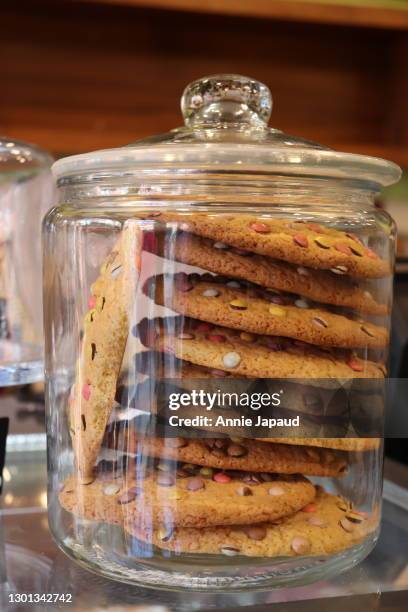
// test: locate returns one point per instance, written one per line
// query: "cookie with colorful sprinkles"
(258, 312)
(105, 332)
(187, 495)
(237, 264)
(227, 454)
(298, 242)
(328, 525)
(251, 355)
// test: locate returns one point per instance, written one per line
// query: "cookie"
(344, 444)
(245, 310)
(105, 333)
(250, 355)
(186, 497)
(295, 241)
(326, 526)
(236, 454)
(316, 285)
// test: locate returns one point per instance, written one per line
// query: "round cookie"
(245, 310)
(316, 285)
(344, 444)
(298, 242)
(326, 526)
(184, 497)
(226, 454)
(250, 355)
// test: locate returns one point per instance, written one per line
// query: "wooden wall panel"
(78, 77)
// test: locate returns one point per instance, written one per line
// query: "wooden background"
(77, 76)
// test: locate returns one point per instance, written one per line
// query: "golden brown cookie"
(106, 327)
(316, 285)
(187, 496)
(326, 526)
(243, 309)
(250, 355)
(242, 454)
(344, 444)
(305, 244)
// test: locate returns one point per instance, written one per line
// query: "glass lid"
(225, 131)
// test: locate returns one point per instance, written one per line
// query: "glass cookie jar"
(217, 306)
(26, 193)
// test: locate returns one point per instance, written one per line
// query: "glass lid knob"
(226, 99)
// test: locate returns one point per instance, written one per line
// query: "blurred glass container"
(26, 193)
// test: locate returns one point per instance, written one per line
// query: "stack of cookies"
(273, 299)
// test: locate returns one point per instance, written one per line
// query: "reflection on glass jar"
(217, 304)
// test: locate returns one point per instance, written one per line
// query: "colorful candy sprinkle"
(357, 250)
(111, 489)
(300, 545)
(346, 525)
(276, 299)
(276, 311)
(301, 240)
(255, 532)
(211, 293)
(301, 303)
(229, 551)
(222, 477)
(320, 322)
(316, 521)
(276, 491)
(323, 242)
(92, 302)
(231, 360)
(183, 284)
(115, 272)
(238, 305)
(195, 484)
(204, 327)
(339, 270)
(355, 364)
(343, 248)
(86, 391)
(216, 338)
(309, 508)
(260, 228)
